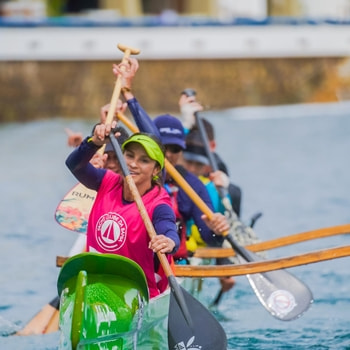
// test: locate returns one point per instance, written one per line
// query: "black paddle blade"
(177, 293)
(206, 333)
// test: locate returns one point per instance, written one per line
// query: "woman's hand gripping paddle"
(74, 209)
(189, 322)
(281, 293)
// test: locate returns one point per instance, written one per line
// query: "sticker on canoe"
(281, 302)
(74, 209)
(188, 346)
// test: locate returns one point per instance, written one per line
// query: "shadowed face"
(173, 153)
(112, 162)
(195, 167)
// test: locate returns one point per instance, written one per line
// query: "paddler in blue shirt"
(188, 107)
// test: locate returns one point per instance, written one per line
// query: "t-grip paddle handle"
(117, 86)
(118, 83)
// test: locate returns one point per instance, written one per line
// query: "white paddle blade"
(281, 293)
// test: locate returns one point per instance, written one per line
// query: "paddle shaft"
(253, 267)
(223, 193)
(208, 253)
(214, 165)
(139, 203)
(175, 288)
(264, 266)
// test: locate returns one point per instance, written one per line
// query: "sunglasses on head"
(173, 148)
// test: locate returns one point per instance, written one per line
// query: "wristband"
(125, 89)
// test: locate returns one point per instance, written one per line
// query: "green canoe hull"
(105, 305)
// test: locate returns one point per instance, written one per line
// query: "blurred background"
(56, 55)
(274, 77)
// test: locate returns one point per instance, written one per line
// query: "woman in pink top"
(115, 225)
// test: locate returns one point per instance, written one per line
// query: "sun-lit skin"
(142, 168)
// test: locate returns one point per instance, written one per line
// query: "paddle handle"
(205, 140)
(117, 87)
(118, 83)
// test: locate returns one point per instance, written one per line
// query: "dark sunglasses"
(173, 148)
(189, 92)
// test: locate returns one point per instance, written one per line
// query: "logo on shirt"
(111, 232)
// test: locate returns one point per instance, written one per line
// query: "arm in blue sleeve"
(78, 162)
(142, 119)
(189, 210)
(164, 224)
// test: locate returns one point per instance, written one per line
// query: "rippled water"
(291, 163)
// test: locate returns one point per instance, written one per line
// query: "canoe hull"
(105, 305)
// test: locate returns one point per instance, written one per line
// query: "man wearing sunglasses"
(172, 135)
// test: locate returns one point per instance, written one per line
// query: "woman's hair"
(158, 179)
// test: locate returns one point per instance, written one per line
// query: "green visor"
(151, 147)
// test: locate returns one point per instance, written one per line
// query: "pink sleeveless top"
(117, 228)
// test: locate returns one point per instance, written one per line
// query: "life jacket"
(213, 194)
(117, 228)
(194, 239)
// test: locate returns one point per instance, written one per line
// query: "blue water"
(292, 163)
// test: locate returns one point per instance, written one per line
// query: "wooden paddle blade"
(207, 332)
(74, 209)
(40, 322)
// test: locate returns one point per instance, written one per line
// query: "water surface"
(291, 163)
